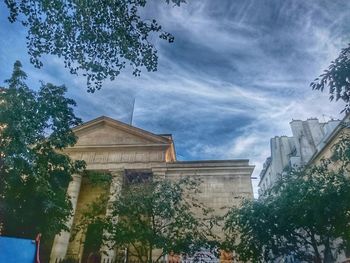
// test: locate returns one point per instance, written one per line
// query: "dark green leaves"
(97, 38)
(306, 214)
(160, 215)
(337, 79)
(34, 173)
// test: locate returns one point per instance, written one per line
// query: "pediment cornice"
(148, 137)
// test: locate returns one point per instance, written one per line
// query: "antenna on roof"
(132, 110)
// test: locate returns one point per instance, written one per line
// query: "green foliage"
(337, 79)
(98, 38)
(92, 221)
(91, 226)
(341, 151)
(157, 214)
(98, 178)
(34, 173)
(306, 214)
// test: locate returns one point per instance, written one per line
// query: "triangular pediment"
(105, 131)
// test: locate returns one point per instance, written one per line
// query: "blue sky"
(236, 75)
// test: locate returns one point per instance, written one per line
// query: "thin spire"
(132, 111)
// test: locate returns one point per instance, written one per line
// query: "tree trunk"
(150, 254)
(317, 258)
(327, 254)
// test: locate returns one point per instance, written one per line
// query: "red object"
(37, 241)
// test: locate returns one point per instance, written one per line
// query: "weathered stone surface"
(310, 138)
(109, 145)
(61, 241)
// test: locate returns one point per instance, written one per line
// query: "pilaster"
(61, 241)
(115, 189)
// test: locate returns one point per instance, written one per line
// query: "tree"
(98, 38)
(34, 173)
(157, 215)
(305, 215)
(337, 79)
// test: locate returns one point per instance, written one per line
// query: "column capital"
(159, 172)
(116, 172)
(77, 176)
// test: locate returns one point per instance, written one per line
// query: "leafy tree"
(92, 222)
(34, 173)
(98, 38)
(157, 215)
(341, 150)
(337, 79)
(305, 215)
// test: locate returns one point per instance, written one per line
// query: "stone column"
(159, 173)
(115, 188)
(61, 241)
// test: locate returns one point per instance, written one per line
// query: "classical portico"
(111, 146)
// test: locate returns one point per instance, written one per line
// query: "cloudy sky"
(238, 73)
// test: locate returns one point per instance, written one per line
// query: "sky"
(238, 72)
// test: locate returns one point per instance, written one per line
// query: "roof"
(343, 124)
(266, 165)
(126, 127)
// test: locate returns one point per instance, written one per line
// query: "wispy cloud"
(237, 74)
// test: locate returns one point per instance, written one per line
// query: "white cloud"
(237, 74)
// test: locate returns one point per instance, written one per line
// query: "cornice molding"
(123, 127)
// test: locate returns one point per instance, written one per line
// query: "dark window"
(137, 176)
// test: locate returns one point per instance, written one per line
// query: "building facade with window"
(312, 142)
(123, 151)
(309, 138)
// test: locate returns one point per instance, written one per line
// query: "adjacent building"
(311, 142)
(309, 138)
(123, 150)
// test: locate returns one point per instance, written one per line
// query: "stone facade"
(115, 147)
(309, 138)
(312, 142)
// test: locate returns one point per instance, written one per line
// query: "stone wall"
(89, 193)
(224, 183)
(111, 146)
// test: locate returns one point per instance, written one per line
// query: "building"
(309, 138)
(121, 149)
(312, 141)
